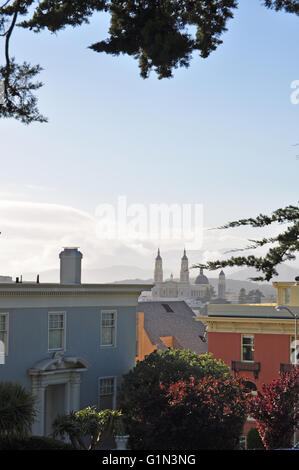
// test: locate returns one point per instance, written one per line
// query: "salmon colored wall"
(270, 350)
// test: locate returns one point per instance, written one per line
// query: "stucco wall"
(28, 344)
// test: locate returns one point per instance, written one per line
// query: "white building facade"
(198, 291)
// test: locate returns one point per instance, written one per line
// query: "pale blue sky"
(220, 133)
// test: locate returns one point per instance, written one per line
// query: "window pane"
(56, 321)
(2, 322)
(106, 394)
(107, 336)
(56, 339)
(247, 348)
(56, 330)
(3, 330)
(108, 329)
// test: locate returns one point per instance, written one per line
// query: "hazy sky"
(221, 133)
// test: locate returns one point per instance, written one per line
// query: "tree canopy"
(207, 414)
(155, 32)
(141, 398)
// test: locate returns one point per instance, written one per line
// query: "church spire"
(158, 273)
(184, 274)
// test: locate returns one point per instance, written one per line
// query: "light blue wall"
(28, 344)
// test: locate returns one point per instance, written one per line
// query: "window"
(167, 308)
(250, 387)
(294, 348)
(285, 296)
(4, 331)
(248, 348)
(108, 329)
(107, 393)
(56, 331)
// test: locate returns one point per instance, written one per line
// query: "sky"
(221, 134)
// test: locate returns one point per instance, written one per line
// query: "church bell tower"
(158, 274)
(184, 274)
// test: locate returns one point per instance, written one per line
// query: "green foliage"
(57, 14)
(254, 440)
(140, 392)
(33, 443)
(284, 245)
(86, 427)
(16, 410)
(254, 296)
(242, 296)
(290, 6)
(155, 32)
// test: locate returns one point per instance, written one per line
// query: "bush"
(140, 394)
(33, 443)
(16, 409)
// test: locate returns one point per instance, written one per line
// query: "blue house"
(68, 343)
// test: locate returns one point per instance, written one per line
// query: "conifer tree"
(155, 32)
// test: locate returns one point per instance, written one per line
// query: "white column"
(75, 384)
(38, 390)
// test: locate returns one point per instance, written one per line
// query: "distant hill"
(135, 275)
(285, 273)
(102, 275)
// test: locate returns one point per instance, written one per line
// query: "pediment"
(59, 362)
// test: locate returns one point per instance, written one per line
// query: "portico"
(56, 385)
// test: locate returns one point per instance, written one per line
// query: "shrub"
(16, 409)
(141, 397)
(33, 443)
(276, 410)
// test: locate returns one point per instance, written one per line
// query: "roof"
(27, 288)
(175, 319)
(249, 311)
(201, 278)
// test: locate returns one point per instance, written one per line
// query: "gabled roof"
(177, 319)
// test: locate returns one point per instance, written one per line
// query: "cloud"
(33, 234)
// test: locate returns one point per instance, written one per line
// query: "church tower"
(221, 285)
(158, 274)
(184, 274)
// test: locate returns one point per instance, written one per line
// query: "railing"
(286, 368)
(254, 367)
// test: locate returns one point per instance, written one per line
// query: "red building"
(255, 341)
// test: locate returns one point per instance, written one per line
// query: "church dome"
(201, 278)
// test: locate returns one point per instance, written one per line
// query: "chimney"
(70, 266)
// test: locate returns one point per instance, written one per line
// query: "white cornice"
(245, 325)
(73, 290)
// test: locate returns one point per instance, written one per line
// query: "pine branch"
(285, 249)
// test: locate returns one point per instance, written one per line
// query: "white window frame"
(114, 344)
(63, 348)
(293, 351)
(6, 315)
(114, 390)
(285, 296)
(246, 336)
